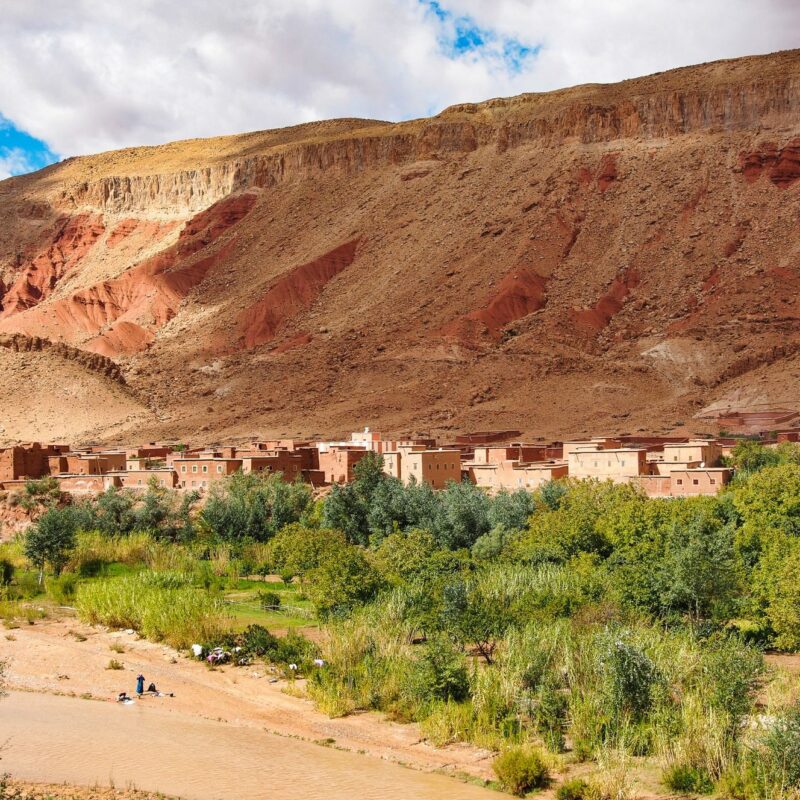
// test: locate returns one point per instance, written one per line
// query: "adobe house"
(199, 473)
(337, 462)
(287, 463)
(705, 480)
(151, 451)
(487, 437)
(618, 464)
(139, 479)
(527, 453)
(88, 484)
(512, 475)
(29, 461)
(86, 463)
(595, 443)
(705, 451)
(656, 485)
(434, 467)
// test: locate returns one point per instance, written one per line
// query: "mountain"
(606, 258)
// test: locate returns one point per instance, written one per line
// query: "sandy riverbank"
(65, 657)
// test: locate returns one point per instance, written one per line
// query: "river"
(56, 739)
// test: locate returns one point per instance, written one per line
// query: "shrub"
(440, 673)
(114, 664)
(577, 789)
(256, 640)
(782, 749)
(687, 779)
(269, 601)
(6, 571)
(520, 769)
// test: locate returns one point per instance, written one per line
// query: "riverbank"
(78, 742)
(66, 657)
(21, 790)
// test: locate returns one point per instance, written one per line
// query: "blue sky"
(118, 74)
(20, 152)
(460, 35)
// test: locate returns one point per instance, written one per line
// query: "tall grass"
(162, 606)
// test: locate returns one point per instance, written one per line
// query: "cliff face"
(603, 257)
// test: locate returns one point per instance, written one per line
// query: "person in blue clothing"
(140, 685)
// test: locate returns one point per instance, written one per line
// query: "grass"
(161, 606)
(114, 664)
(245, 606)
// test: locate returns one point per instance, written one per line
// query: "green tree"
(40, 495)
(296, 549)
(343, 580)
(749, 456)
(51, 540)
(463, 516)
(254, 506)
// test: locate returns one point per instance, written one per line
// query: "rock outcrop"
(603, 257)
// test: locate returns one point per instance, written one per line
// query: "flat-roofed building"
(703, 451)
(284, 462)
(337, 463)
(434, 467)
(704, 480)
(139, 479)
(615, 464)
(513, 475)
(199, 473)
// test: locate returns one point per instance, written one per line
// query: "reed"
(161, 606)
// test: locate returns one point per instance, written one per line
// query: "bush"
(520, 769)
(114, 664)
(577, 789)
(782, 749)
(6, 571)
(269, 601)
(687, 779)
(440, 673)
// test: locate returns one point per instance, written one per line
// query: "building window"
(695, 481)
(219, 467)
(194, 467)
(205, 467)
(183, 467)
(680, 482)
(713, 481)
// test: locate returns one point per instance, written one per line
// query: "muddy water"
(63, 739)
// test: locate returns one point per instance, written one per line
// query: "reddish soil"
(293, 293)
(617, 258)
(782, 165)
(72, 240)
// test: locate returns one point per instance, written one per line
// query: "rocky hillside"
(603, 258)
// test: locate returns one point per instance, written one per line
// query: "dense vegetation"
(583, 618)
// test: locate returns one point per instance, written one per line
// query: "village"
(492, 460)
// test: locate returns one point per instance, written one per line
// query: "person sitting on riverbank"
(122, 697)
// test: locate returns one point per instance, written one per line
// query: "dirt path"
(68, 658)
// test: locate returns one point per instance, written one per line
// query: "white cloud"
(13, 161)
(111, 73)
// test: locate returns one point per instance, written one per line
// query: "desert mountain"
(606, 258)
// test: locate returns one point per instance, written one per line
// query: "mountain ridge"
(619, 255)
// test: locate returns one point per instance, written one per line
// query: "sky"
(83, 76)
